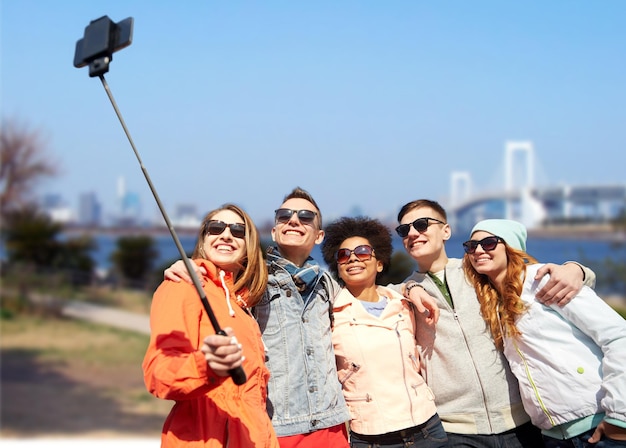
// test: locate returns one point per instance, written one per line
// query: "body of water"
(588, 251)
(545, 250)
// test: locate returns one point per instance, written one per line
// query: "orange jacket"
(210, 411)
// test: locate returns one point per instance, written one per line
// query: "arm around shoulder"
(565, 282)
(589, 277)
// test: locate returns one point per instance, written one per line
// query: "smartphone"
(102, 38)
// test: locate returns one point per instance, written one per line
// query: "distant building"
(57, 209)
(186, 216)
(129, 203)
(130, 210)
(89, 210)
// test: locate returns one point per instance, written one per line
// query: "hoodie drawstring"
(231, 311)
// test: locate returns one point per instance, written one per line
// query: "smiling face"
(490, 263)
(355, 273)
(224, 250)
(426, 248)
(296, 240)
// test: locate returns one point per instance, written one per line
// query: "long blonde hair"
(253, 273)
(500, 309)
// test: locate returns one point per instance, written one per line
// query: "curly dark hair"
(372, 230)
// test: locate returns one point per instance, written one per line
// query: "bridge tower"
(460, 187)
(460, 190)
(511, 180)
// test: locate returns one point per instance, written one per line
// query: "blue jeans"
(427, 435)
(580, 441)
(524, 436)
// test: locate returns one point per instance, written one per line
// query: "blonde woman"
(188, 363)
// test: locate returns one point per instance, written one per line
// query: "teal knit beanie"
(512, 232)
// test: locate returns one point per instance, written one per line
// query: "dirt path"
(61, 379)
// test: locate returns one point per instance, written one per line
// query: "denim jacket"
(304, 393)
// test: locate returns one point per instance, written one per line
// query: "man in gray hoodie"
(476, 394)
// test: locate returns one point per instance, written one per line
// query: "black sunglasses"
(283, 215)
(362, 252)
(420, 224)
(488, 244)
(214, 227)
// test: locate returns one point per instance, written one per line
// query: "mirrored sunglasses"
(283, 215)
(363, 253)
(420, 224)
(215, 227)
(488, 244)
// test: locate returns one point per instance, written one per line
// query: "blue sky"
(366, 104)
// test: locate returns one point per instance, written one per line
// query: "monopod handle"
(237, 374)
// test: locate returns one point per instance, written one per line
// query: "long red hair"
(500, 309)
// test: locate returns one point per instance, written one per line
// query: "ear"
(379, 266)
(320, 237)
(274, 234)
(447, 232)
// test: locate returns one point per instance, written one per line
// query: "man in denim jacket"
(305, 401)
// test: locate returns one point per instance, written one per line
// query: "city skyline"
(367, 105)
(128, 210)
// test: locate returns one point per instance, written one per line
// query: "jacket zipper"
(456, 319)
(532, 383)
(353, 369)
(367, 397)
(406, 386)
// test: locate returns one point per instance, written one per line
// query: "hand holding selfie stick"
(102, 38)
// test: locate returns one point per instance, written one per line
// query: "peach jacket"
(378, 365)
(209, 411)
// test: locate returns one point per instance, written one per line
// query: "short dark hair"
(372, 230)
(299, 193)
(422, 203)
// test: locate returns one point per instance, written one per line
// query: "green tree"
(401, 266)
(32, 239)
(614, 272)
(133, 259)
(77, 260)
(611, 272)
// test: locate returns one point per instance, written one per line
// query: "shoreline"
(597, 232)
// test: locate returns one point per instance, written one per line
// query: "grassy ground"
(62, 377)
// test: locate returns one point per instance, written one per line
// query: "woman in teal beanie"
(571, 361)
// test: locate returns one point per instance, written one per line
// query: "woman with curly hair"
(374, 341)
(570, 361)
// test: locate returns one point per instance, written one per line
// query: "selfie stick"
(109, 32)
